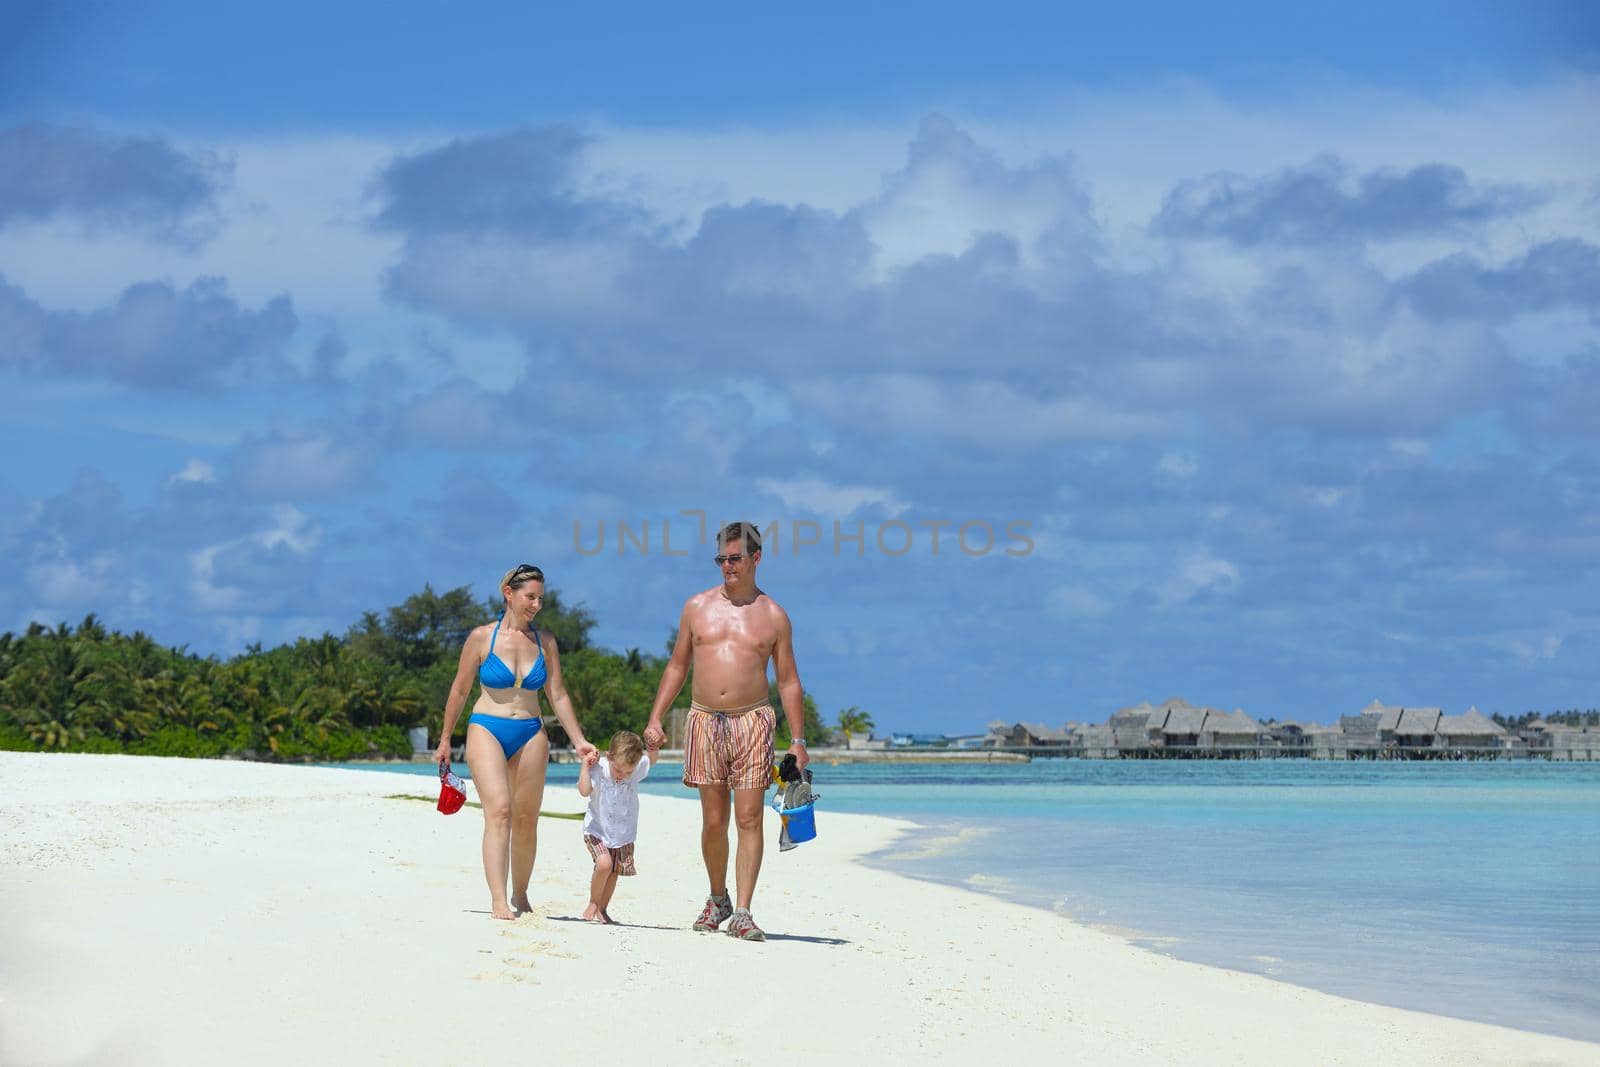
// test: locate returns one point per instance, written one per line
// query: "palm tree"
(45, 693)
(853, 720)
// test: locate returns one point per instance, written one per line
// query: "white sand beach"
(190, 912)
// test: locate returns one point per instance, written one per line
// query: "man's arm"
(790, 691)
(672, 677)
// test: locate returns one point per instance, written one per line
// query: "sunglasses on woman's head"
(527, 570)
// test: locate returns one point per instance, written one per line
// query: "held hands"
(654, 738)
(586, 752)
(591, 757)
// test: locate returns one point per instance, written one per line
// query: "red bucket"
(452, 791)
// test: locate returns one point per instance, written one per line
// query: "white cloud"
(1180, 465)
(291, 528)
(64, 583)
(302, 461)
(1075, 601)
(1200, 573)
(817, 497)
(991, 413)
(195, 472)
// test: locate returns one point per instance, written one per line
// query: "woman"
(507, 747)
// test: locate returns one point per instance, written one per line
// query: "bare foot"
(593, 914)
(501, 910)
(520, 903)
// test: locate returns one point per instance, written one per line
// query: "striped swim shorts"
(621, 858)
(732, 747)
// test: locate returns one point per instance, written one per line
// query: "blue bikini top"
(494, 674)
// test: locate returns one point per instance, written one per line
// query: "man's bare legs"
(747, 865)
(491, 777)
(527, 771)
(714, 809)
(745, 808)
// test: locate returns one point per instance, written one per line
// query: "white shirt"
(613, 815)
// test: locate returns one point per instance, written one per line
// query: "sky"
(1069, 359)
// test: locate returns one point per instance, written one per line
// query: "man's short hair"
(748, 532)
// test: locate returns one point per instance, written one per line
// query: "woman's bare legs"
(492, 779)
(526, 771)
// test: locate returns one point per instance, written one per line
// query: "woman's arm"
(556, 690)
(466, 671)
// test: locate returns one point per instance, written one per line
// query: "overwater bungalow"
(1130, 728)
(1095, 742)
(1175, 727)
(1231, 732)
(1026, 735)
(1404, 731)
(1325, 742)
(1358, 733)
(1565, 743)
(1472, 733)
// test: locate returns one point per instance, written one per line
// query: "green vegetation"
(853, 720)
(87, 689)
(1570, 717)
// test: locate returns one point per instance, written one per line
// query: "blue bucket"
(801, 823)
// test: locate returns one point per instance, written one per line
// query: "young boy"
(612, 821)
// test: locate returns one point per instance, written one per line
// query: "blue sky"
(1279, 338)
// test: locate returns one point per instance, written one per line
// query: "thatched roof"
(1232, 722)
(1473, 724)
(1362, 725)
(1396, 719)
(1095, 736)
(1040, 732)
(1136, 717)
(1179, 720)
(1417, 721)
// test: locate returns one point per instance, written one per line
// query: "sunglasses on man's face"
(735, 559)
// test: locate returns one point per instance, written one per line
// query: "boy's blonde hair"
(626, 747)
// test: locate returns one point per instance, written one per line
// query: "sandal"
(744, 927)
(716, 911)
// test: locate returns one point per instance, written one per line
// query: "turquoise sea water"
(1467, 889)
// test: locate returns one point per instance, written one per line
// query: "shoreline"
(935, 855)
(258, 912)
(1139, 938)
(830, 756)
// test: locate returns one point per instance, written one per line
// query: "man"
(729, 633)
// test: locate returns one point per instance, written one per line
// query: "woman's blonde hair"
(521, 574)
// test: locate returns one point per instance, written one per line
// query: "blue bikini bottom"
(511, 733)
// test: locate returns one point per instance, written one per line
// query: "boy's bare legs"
(605, 896)
(603, 876)
(491, 778)
(527, 773)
